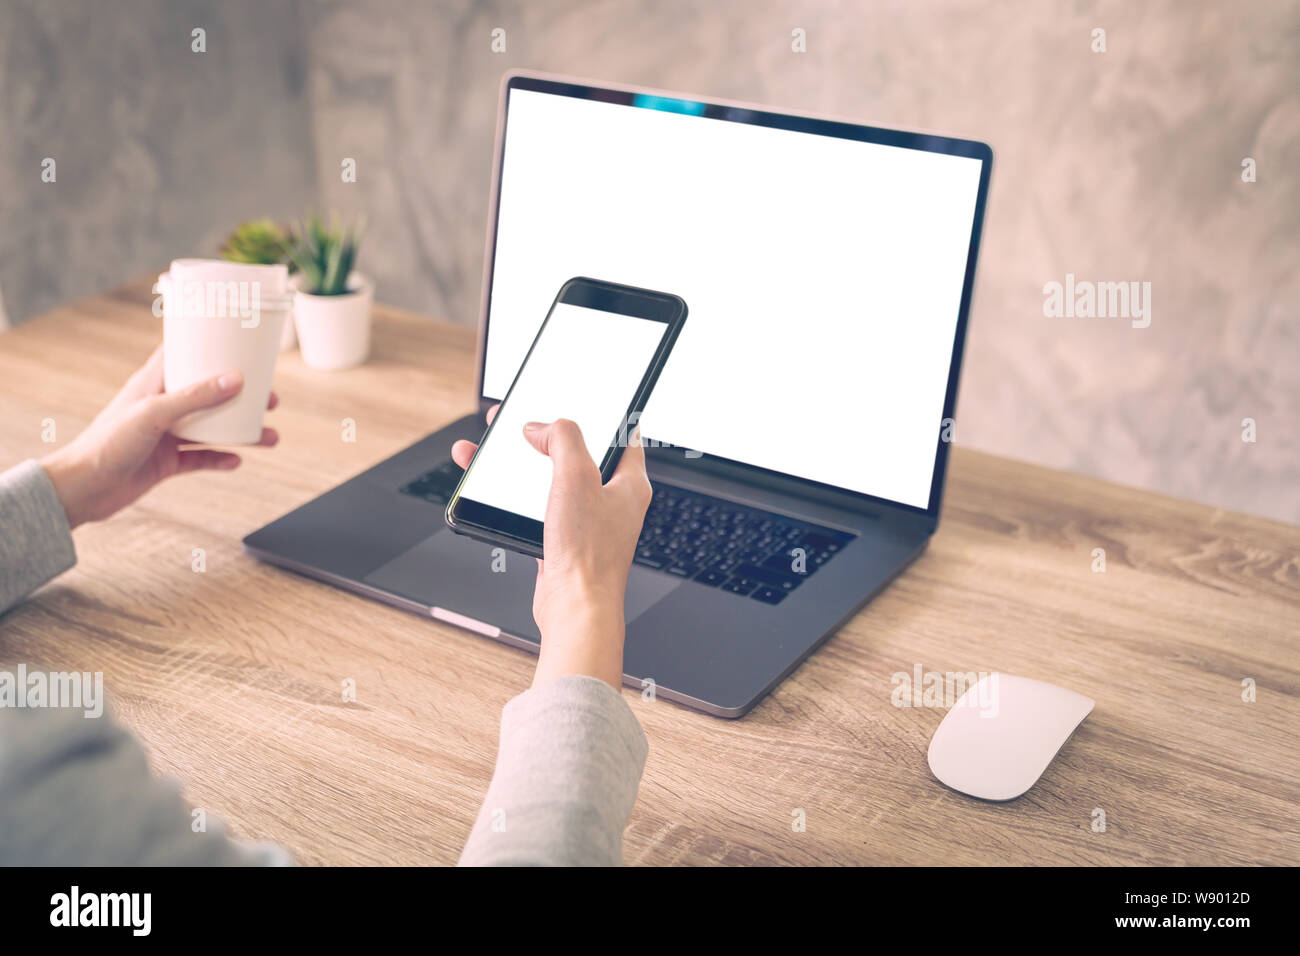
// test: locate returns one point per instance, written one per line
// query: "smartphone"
(595, 360)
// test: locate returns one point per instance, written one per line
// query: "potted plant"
(261, 242)
(331, 300)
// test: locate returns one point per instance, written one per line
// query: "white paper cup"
(200, 343)
(334, 330)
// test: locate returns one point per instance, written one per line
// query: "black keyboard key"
(786, 581)
(683, 570)
(788, 564)
(740, 586)
(711, 577)
(769, 595)
(820, 542)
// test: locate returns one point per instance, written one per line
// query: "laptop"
(800, 430)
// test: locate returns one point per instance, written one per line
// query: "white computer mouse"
(1000, 736)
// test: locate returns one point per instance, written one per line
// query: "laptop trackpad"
(459, 574)
(645, 588)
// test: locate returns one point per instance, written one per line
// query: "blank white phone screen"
(585, 366)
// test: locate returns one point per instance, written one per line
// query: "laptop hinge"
(788, 485)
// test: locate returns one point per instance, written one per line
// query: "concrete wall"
(1115, 166)
(158, 150)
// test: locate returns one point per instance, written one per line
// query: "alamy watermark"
(70, 690)
(1098, 300)
(923, 688)
(625, 429)
(76, 908)
(211, 299)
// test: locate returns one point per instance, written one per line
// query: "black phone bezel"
(520, 533)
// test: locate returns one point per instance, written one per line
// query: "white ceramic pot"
(334, 330)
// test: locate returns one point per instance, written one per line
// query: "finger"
(146, 380)
(562, 442)
(492, 412)
(270, 438)
(272, 401)
(631, 467)
(165, 409)
(462, 452)
(206, 459)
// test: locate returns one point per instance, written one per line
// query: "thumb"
(562, 442)
(167, 408)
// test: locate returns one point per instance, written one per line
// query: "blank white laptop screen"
(823, 276)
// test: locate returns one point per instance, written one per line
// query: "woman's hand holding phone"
(591, 530)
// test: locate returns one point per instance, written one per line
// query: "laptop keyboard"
(436, 486)
(741, 550)
(744, 551)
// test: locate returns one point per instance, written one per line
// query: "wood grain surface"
(233, 676)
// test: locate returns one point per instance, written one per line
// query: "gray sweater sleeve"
(568, 765)
(76, 790)
(35, 540)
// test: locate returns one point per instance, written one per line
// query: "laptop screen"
(824, 272)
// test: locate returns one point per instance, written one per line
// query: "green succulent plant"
(257, 242)
(324, 254)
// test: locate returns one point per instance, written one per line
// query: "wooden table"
(234, 676)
